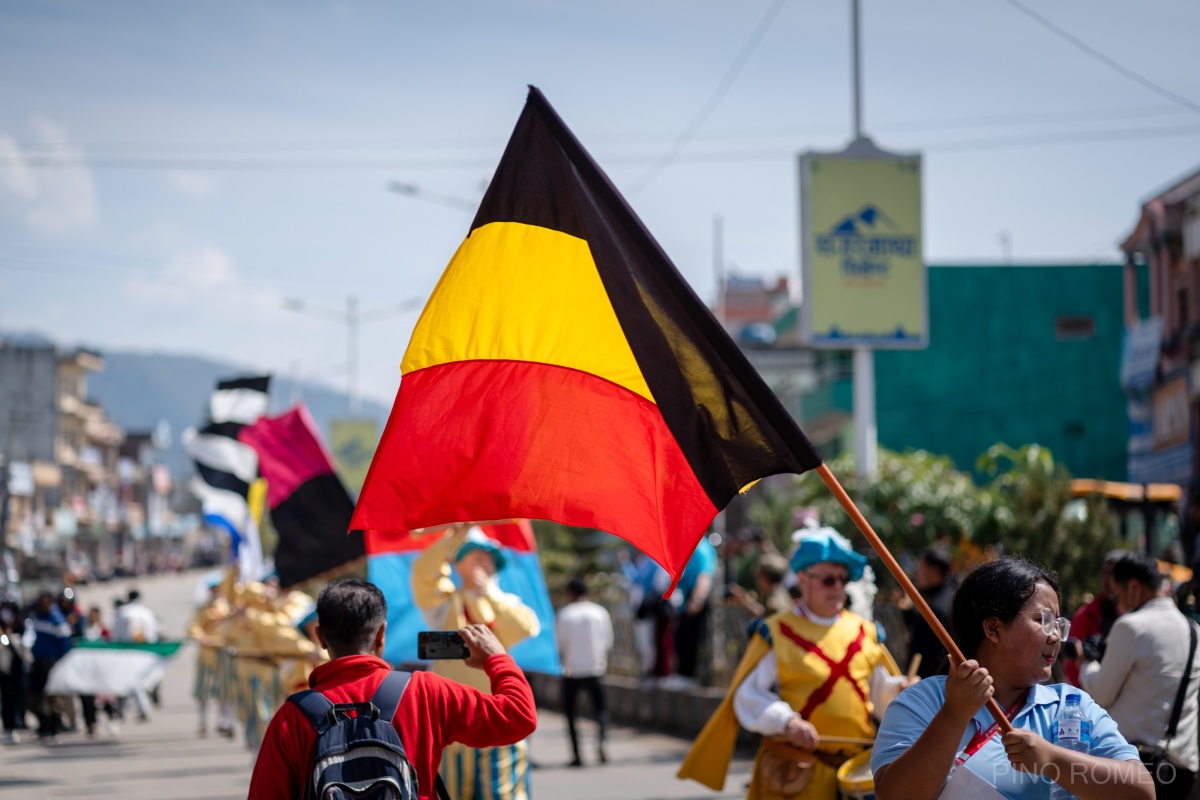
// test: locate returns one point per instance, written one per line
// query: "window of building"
(1072, 327)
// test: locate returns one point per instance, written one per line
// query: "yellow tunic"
(449, 608)
(823, 674)
(208, 620)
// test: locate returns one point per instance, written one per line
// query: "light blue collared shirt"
(909, 715)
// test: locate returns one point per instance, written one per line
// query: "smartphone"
(433, 645)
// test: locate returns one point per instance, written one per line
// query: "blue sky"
(169, 172)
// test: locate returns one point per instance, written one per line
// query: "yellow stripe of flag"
(521, 292)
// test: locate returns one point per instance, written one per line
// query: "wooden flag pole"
(894, 567)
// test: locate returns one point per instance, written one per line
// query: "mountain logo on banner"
(866, 242)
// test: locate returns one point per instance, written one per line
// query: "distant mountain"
(139, 389)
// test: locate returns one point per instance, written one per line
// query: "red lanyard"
(982, 737)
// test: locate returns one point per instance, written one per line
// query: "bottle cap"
(1073, 698)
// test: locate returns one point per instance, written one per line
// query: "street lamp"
(416, 192)
(351, 318)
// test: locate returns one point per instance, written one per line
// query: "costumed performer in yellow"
(494, 773)
(816, 670)
(207, 629)
(274, 657)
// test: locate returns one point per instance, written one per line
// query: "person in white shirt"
(1143, 666)
(136, 623)
(585, 635)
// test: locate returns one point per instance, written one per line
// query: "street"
(165, 757)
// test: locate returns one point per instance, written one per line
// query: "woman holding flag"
(1006, 622)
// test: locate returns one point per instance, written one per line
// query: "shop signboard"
(1139, 354)
(862, 255)
(1171, 414)
(353, 441)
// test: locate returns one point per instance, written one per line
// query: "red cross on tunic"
(467, 615)
(837, 669)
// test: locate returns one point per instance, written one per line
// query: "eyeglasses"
(829, 581)
(1052, 624)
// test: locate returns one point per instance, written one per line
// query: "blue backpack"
(359, 754)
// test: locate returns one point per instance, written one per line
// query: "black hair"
(134, 595)
(350, 613)
(997, 589)
(937, 558)
(1140, 567)
(577, 587)
(1113, 556)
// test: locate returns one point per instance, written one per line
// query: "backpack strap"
(1177, 709)
(387, 699)
(315, 706)
(387, 696)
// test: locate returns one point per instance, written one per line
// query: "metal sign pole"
(866, 433)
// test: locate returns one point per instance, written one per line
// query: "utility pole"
(352, 318)
(856, 68)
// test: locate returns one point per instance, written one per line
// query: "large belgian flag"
(563, 369)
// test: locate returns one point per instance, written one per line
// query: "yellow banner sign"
(862, 252)
(353, 443)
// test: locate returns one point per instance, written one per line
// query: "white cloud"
(47, 184)
(204, 267)
(196, 281)
(194, 184)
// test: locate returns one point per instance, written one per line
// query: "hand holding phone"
(432, 645)
(482, 643)
(475, 643)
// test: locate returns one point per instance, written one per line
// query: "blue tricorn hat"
(825, 545)
(478, 540)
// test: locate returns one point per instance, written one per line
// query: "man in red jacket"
(434, 711)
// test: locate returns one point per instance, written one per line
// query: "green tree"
(919, 498)
(567, 551)
(1034, 514)
(916, 499)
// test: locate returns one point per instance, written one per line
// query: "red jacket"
(433, 713)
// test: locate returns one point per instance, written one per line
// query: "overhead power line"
(713, 101)
(317, 164)
(1111, 63)
(105, 267)
(410, 147)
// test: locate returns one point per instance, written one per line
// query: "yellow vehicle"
(1148, 519)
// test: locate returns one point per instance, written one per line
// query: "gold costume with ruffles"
(823, 675)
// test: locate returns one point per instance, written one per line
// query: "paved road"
(166, 758)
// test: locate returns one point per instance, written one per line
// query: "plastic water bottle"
(1072, 731)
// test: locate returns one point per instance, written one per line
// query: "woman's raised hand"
(968, 688)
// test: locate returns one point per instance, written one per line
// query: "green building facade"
(1017, 354)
